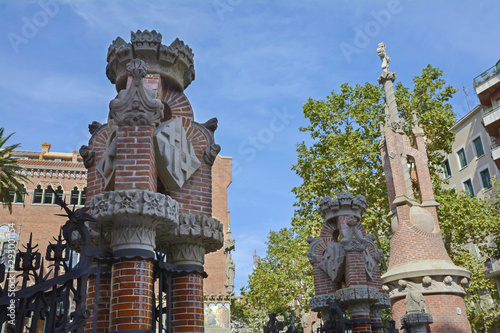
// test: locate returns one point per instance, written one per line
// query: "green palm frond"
(11, 177)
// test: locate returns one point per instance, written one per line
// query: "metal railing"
(490, 72)
(495, 145)
(487, 111)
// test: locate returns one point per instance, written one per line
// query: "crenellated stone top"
(174, 63)
(344, 204)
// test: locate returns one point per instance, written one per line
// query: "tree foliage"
(281, 281)
(343, 156)
(11, 179)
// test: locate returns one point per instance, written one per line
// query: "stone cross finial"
(383, 56)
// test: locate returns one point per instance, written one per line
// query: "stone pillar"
(357, 295)
(344, 252)
(151, 147)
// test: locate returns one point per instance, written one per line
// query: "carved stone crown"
(174, 62)
(345, 204)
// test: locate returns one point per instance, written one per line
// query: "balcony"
(491, 119)
(487, 82)
(495, 153)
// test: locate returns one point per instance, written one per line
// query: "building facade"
(470, 166)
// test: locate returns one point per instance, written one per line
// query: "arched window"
(75, 196)
(60, 193)
(38, 195)
(78, 197)
(48, 197)
(83, 196)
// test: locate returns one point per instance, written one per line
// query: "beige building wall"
(467, 131)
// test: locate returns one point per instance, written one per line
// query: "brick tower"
(149, 187)
(426, 288)
(344, 254)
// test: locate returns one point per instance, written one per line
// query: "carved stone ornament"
(397, 126)
(133, 236)
(320, 302)
(358, 293)
(426, 285)
(176, 159)
(196, 229)
(230, 272)
(88, 156)
(136, 105)
(353, 240)
(371, 261)
(107, 164)
(135, 207)
(174, 62)
(333, 261)
(344, 204)
(386, 76)
(208, 130)
(188, 254)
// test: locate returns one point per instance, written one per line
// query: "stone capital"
(344, 205)
(188, 254)
(201, 230)
(320, 302)
(358, 293)
(133, 238)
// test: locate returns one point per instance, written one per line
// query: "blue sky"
(256, 63)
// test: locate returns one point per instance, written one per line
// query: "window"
(83, 196)
(15, 198)
(462, 158)
(46, 196)
(446, 169)
(37, 195)
(468, 187)
(60, 193)
(478, 145)
(485, 178)
(78, 197)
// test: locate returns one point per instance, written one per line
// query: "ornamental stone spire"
(419, 266)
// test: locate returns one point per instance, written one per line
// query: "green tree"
(11, 179)
(281, 282)
(343, 156)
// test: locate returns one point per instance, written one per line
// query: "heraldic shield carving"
(175, 156)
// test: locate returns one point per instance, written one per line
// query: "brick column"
(187, 287)
(357, 292)
(131, 303)
(102, 314)
(187, 303)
